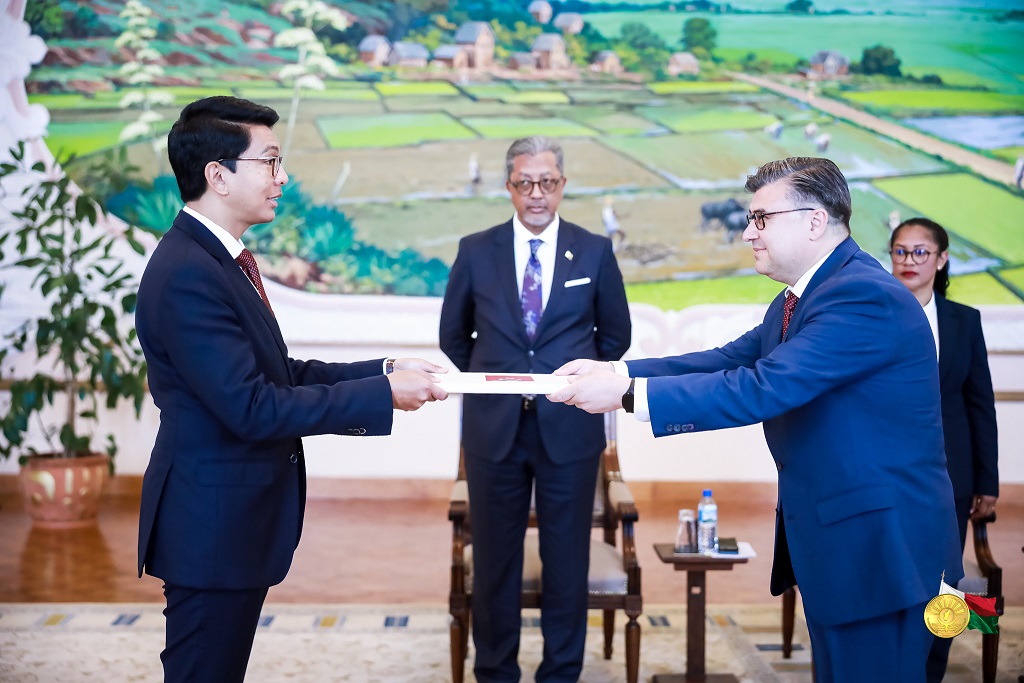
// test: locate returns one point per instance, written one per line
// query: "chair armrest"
(458, 501)
(983, 555)
(622, 501)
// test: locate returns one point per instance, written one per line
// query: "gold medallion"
(946, 615)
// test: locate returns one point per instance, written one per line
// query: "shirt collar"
(805, 279)
(233, 246)
(522, 234)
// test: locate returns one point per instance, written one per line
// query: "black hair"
(810, 179)
(941, 238)
(210, 129)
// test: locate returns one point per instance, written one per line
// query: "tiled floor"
(387, 551)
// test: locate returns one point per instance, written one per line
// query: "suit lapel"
(505, 267)
(773, 324)
(240, 283)
(563, 265)
(948, 331)
(842, 253)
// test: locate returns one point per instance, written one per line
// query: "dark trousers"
(209, 633)
(939, 654)
(888, 649)
(499, 495)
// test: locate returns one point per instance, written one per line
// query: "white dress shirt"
(641, 409)
(932, 313)
(545, 254)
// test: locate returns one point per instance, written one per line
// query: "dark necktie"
(787, 311)
(252, 271)
(531, 296)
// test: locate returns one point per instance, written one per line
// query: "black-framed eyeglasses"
(547, 185)
(918, 256)
(275, 163)
(757, 217)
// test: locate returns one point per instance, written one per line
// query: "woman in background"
(920, 261)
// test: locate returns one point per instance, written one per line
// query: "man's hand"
(418, 364)
(598, 391)
(582, 366)
(410, 389)
(983, 506)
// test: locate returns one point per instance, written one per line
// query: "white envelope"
(577, 282)
(501, 383)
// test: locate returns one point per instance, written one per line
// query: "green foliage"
(800, 6)
(325, 237)
(45, 17)
(698, 33)
(88, 291)
(640, 37)
(641, 49)
(880, 60)
(84, 22)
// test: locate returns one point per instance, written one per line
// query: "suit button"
(778, 466)
(530, 353)
(294, 458)
(687, 427)
(668, 428)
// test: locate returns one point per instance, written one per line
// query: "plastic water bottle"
(707, 524)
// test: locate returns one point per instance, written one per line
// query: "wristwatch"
(627, 398)
(389, 365)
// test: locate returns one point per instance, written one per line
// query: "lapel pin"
(568, 254)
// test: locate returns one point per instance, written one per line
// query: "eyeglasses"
(275, 163)
(547, 185)
(918, 256)
(757, 217)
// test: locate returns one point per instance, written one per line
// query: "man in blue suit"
(842, 374)
(224, 493)
(527, 296)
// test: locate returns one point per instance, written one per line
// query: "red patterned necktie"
(787, 311)
(252, 271)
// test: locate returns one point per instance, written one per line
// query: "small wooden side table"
(695, 566)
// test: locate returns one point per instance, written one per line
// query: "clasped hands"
(413, 383)
(594, 386)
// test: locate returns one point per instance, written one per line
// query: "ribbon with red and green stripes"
(983, 615)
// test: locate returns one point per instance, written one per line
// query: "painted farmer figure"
(527, 296)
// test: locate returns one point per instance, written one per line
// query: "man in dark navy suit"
(223, 496)
(842, 374)
(527, 296)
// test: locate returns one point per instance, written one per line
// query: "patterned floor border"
(41, 643)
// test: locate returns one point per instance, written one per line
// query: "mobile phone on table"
(728, 546)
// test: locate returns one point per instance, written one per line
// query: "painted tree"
(699, 34)
(312, 62)
(142, 72)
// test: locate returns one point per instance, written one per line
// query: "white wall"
(425, 443)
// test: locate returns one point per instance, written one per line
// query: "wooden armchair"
(982, 577)
(614, 578)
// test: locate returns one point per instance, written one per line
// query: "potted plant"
(84, 351)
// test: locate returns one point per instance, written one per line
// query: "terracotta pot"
(63, 493)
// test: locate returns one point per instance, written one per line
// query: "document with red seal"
(501, 383)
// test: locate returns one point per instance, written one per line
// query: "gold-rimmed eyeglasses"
(275, 163)
(918, 256)
(757, 217)
(547, 185)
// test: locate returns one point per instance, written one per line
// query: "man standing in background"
(527, 296)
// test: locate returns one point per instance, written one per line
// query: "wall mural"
(395, 117)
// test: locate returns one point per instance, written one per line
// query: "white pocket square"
(577, 282)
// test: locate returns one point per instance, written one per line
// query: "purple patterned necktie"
(787, 311)
(531, 296)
